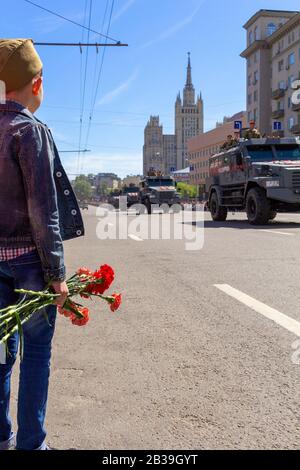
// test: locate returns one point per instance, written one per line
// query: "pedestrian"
(38, 210)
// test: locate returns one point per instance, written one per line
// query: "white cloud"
(120, 163)
(111, 95)
(123, 10)
(49, 24)
(175, 28)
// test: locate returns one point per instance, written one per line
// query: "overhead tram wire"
(97, 57)
(81, 82)
(99, 78)
(81, 44)
(84, 84)
(70, 21)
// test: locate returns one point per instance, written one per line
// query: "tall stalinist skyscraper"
(188, 118)
(168, 153)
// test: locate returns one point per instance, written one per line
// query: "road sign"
(277, 126)
(238, 125)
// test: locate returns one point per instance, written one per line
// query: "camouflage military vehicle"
(156, 189)
(260, 176)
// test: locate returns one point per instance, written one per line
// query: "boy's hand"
(60, 288)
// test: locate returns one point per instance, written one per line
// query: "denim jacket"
(37, 203)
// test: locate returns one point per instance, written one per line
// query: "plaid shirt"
(6, 254)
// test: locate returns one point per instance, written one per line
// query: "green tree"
(187, 190)
(104, 188)
(82, 188)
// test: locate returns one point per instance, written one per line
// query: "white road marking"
(135, 237)
(277, 232)
(280, 318)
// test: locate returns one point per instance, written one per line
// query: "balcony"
(277, 94)
(296, 107)
(296, 129)
(279, 113)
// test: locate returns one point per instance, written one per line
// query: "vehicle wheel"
(218, 213)
(148, 206)
(258, 207)
(140, 209)
(165, 208)
(272, 215)
(176, 208)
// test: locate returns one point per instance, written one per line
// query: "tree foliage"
(187, 190)
(82, 188)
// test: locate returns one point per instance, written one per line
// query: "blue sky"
(137, 81)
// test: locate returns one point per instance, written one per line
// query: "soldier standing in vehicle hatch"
(252, 133)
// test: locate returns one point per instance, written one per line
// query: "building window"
(282, 85)
(255, 57)
(255, 33)
(280, 105)
(255, 94)
(291, 122)
(280, 65)
(290, 80)
(250, 76)
(255, 80)
(291, 60)
(271, 28)
(289, 102)
(249, 99)
(250, 38)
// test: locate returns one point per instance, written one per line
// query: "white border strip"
(280, 318)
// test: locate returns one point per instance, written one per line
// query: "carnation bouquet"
(84, 283)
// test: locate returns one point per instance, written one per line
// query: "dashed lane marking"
(277, 232)
(135, 237)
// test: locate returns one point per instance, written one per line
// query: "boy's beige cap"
(19, 63)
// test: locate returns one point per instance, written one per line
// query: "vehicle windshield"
(132, 189)
(289, 152)
(160, 182)
(265, 153)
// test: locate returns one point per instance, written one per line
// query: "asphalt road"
(186, 363)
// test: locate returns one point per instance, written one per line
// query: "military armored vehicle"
(156, 189)
(114, 200)
(132, 194)
(260, 176)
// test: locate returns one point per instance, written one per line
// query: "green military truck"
(160, 191)
(260, 176)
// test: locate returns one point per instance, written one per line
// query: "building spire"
(189, 72)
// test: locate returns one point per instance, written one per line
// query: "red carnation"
(81, 321)
(116, 303)
(84, 271)
(63, 311)
(103, 279)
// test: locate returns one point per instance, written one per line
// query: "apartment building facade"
(273, 66)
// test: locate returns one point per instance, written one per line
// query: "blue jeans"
(26, 272)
